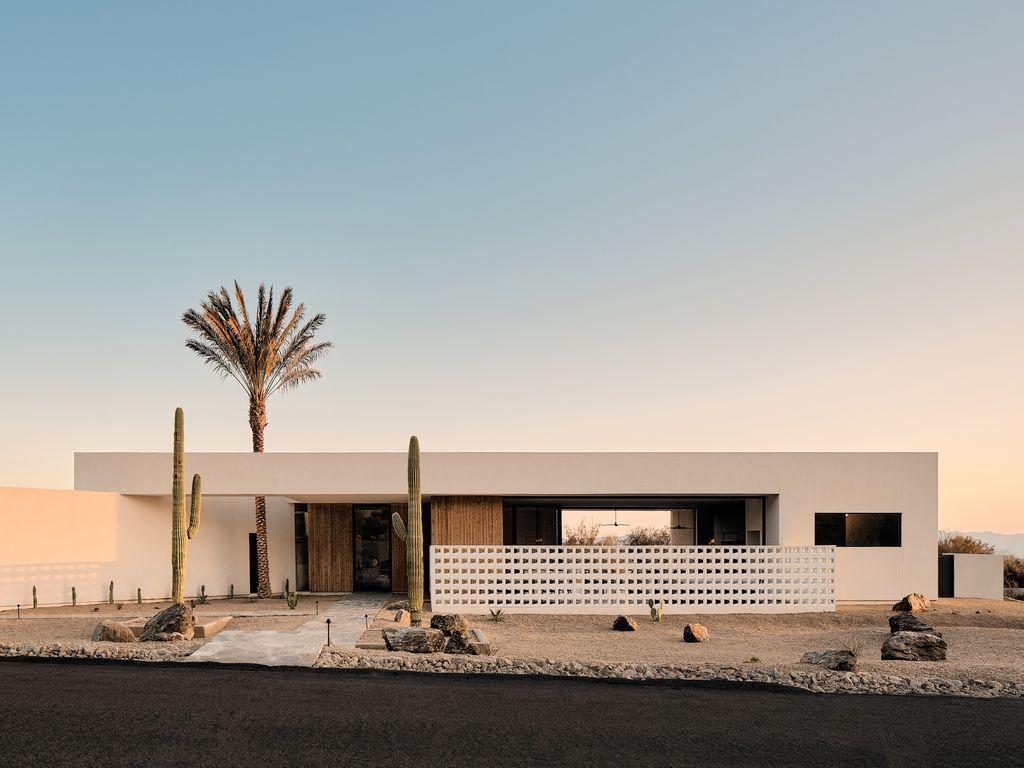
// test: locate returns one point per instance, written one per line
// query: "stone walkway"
(299, 647)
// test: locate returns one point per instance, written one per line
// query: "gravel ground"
(239, 606)
(77, 630)
(985, 641)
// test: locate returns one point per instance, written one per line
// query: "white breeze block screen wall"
(613, 580)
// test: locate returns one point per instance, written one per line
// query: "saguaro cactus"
(179, 533)
(35, 598)
(413, 535)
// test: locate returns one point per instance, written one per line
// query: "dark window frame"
(834, 529)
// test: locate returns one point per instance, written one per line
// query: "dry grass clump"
(951, 542)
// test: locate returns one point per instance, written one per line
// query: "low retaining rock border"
(817, 681)
(127, 651)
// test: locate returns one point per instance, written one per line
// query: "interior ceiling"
(626, 502)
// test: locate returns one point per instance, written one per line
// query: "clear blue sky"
(532, 226)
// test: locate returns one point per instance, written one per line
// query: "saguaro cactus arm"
(197, 504)
(399, 525)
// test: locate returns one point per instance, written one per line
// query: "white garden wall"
(54, 539)
(978, 576)
(614, 580)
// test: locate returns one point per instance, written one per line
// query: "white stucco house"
(749, 531)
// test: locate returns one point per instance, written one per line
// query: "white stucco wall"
(796, 486)
(978, 576)
(58, 539)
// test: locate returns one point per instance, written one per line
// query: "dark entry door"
(371, 547)
(254, 579)
(946, 575)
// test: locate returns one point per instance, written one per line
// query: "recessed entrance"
(371, 547)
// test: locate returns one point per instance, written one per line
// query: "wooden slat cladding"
(466, 520)
(329, 531)
(398, 580)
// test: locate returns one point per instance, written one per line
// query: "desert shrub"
(951, 542)
(855, 647)
(584, 534)
(1013, 572)
(643, 536)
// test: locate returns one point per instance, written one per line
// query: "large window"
(857, 529)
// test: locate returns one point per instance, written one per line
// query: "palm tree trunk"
(257, 421)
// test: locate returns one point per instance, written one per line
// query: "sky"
(532, 226)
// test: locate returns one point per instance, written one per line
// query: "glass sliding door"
(371, 547)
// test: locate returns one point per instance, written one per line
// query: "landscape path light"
(328, 633)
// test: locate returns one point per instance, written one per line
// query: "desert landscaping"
(983, 639)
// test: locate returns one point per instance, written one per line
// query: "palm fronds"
(273, 351)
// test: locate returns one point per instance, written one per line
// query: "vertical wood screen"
(466, 520)
(329, 531)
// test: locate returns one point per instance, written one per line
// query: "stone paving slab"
(299, 647)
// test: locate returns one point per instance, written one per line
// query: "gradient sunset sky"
(532, 226)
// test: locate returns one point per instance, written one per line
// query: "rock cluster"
(448, 633)
(414, 639)
(624, 624)
(114, 632)
(914, 646)
(913, 602)
(818, 681)
(843, 660)
(176, 622)
(696, 633)
(908, 622)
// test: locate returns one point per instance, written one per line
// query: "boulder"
(479, 645)
(449, 622)
(176, 622)
(1013, 593)
(113, 632)
(403, 617)
(397, 605)
(624, 624)
(458, 642)
(414, 639)
(696, 633)
(914, 646)
(908, 622)
(839, 659)
(913, 602)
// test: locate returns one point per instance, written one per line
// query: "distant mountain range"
(1005, 543)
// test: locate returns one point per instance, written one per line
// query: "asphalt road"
(86, 714)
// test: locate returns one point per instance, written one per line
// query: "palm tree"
(276, 353)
